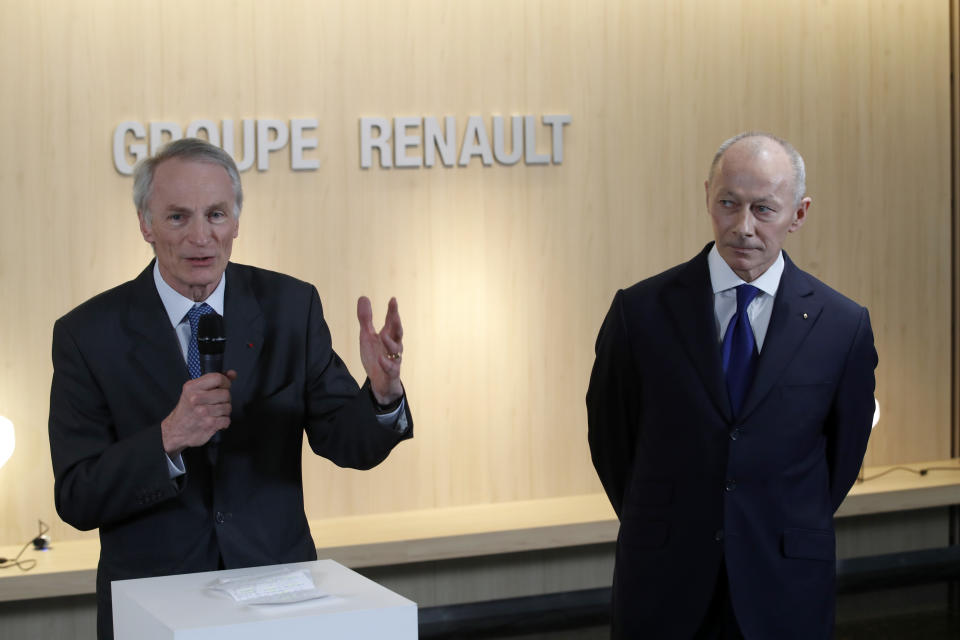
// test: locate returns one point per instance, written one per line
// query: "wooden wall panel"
(503, 273)
(955, 213)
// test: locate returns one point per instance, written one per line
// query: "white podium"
(182, 608)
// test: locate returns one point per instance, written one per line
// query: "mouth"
(204, 261)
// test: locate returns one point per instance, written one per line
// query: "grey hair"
(186, 149)
(796, 160)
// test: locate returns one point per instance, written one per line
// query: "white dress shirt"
(177, 306)
(725, 283)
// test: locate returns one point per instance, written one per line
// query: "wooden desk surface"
(69, 568)
(890, 488)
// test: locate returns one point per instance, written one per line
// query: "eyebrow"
(769, 197)
(178, 208)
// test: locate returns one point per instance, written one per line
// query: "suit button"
(731, 485)
(219, 517)
(718, 536)
(735, 434)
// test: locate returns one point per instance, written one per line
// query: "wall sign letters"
(403, 142)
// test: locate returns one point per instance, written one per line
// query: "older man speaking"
(184, 470)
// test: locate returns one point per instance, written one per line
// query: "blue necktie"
(193, 354)
(740, 349)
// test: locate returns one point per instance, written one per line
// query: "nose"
(198, 232)
(744, 224)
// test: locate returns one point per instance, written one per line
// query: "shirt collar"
(177, 305)
(723, 278)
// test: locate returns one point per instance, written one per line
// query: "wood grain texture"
(955, 213)
(503, 273)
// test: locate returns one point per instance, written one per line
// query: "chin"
(206, 272)
(733, 258)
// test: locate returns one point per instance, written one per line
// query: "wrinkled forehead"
(754, 169)
(183, 181)
(178, 168)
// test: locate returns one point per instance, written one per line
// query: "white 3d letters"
(258, 138)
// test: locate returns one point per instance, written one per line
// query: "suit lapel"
(689, 301)
(154, 345)
(795, 311)
(243, 320)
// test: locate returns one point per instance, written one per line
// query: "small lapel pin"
(250, 344)
(804, 316)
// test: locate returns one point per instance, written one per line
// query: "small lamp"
(7, 441)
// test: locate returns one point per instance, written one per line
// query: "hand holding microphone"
(204, 406)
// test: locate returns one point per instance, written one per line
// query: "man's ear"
(800, 214)
(145, 227)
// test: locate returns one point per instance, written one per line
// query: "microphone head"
(211, 338)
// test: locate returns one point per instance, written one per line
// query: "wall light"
(7, 441)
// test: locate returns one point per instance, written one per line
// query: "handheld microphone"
(211, 343)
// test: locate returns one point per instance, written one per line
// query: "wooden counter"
(384, 539)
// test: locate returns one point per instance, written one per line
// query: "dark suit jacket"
(694, 485)
(119, 370)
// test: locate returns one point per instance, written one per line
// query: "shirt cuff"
(396, 419)
(175, 466)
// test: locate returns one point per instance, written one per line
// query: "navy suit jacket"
(119, 371)
(694, 485)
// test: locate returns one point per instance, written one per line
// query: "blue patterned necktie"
(193, 354)
(740, 349)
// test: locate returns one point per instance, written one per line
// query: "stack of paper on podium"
(320, 599)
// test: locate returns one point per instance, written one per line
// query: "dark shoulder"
(692, 276)
(268, 285)
(108, 303)
(264, 278)
(654, 284)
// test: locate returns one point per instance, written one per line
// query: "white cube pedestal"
(182, 608)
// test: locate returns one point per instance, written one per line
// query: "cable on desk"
(919, 472)
(29, 563)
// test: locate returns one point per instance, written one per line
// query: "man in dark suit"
(184, 472)
(729, 410)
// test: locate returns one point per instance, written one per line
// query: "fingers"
(392, 346)
(392, 333)
(210, 381)
(365, 314)
(211, 409)
(212, 397)
(390, 366)
(203, 409)
(208, 395)
(392, 324)
(381, 353)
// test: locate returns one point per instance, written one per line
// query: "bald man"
(729, 410)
